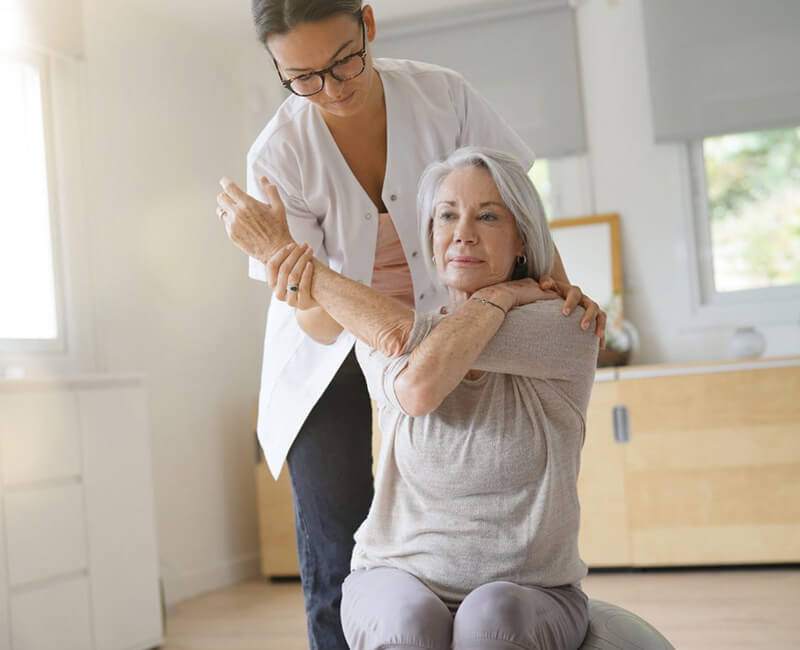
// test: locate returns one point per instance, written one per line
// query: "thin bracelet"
(488, 302)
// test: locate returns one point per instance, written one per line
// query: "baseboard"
(188, 585)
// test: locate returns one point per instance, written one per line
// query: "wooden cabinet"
(710, 471)
(682, 465)
(77, 532)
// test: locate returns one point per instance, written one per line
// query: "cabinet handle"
(622, 429)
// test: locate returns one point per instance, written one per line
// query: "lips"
(344, 100)
(465, 259)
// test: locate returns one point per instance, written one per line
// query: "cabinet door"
(604, 539)
(276, 523)
(712, 472)
(119, 494)
(53, 616)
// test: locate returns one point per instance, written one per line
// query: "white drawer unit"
(78, 553)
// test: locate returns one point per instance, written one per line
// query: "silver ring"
(293, 288)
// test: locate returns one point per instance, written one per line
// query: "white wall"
(648, 185)
(171, 294)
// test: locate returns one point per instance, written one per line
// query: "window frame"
(761, 306)
(62, 88)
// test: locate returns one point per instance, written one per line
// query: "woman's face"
(313, 46)
(475, 237)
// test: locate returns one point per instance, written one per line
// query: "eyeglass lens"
(346, 69)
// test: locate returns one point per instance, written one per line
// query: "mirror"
(590, 251)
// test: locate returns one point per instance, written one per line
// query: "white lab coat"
(430, 112)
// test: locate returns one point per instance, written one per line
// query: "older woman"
(471, 540)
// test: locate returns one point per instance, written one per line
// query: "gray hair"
(518, 194)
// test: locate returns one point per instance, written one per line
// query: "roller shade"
(521, 56)
(54, 26)
(722, 66)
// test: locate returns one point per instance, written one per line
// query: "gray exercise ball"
(614, 628)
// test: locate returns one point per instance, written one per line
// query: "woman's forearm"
(440, 362)
(381, 322)
(318, 324)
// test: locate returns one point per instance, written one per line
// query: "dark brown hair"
(280, 16)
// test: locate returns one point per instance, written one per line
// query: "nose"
(465, 231)
(333, 87)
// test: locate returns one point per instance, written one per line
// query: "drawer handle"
(622, 429)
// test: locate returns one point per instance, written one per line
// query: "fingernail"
(565, 312)
(584, 326)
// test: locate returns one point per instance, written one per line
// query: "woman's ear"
(369, 22)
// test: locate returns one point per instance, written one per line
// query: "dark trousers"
(330, 464)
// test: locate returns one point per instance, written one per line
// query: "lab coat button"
(393, 197)
(414, 254)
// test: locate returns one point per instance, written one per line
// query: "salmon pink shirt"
(390, 274)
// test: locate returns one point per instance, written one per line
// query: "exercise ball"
(614, 628)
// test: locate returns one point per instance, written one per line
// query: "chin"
(467, 285)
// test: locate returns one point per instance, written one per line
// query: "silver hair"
(519, 196)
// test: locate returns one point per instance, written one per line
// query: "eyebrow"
(330, 60)
(482, 205)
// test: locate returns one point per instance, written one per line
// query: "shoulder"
(285, 135)
(418, 74)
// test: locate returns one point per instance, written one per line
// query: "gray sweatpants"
(389, 609)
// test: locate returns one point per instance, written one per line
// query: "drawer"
(39, 436)
(45, 532)
(52, 617)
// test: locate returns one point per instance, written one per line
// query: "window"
(28, 286)
(748, 214)
(540, 175)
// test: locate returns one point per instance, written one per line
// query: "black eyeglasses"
(311, 83)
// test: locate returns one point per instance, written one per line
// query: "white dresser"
(78, 554)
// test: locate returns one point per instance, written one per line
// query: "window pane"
(540, 175)
(754, 207)
(27, 291)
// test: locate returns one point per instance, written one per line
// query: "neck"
(457, 298)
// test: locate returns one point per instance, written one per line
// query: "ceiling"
(231, 18)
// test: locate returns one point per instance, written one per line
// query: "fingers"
(274, 264)
(236, 193)
(285, 269)
(295, 275)
(227, 204)
(591, 310)
(270, 191)
(600, 329)
(546, 282)
(571, 299)
(304, 299)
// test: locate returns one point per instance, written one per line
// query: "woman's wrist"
(502, 298)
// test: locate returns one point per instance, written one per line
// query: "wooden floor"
(696, 610)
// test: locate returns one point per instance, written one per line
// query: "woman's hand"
(259, 229)
(289, 273)
(573, 296)
(516, 292)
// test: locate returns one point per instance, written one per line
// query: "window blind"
(521, 56)
(722, 66)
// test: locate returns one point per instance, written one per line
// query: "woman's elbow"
(392, 341)
(416, 398)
